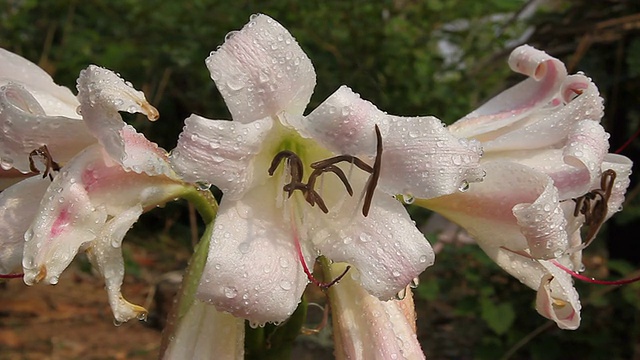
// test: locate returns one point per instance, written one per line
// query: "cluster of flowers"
(522, 174)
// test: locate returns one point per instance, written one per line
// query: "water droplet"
(230, 292)
(401, 294)
(116, 322)
(464, 186)
(415, 282)
(408, 199)
(54, 280)
(244, 247)
(284, 263)
(395, 273)
(202, 185)
(285, 285)
(423, 259)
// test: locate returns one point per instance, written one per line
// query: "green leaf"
(499, 317)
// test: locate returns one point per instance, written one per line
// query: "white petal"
(144, 156)
(205, 333)
(55, 100)
(543, 224)
(386, 248)
(105, 254)
(18, 207)
(420, 157)
(221, 153)
(25, 127)
(262, 71)
(368, 328)
(102, 94)
(344, 123)
(252, 269)
(546, 76)
(622, 166)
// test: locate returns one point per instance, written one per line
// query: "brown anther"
(375, 174)
(50, 165)
(594, 206)
(340, 158)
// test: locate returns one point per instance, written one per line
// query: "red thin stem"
(316, 282)
(624, 146)
(592, 280)
(11, 276)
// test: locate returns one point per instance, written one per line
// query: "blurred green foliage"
(391, 52)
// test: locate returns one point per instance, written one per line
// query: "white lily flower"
(548, 174)
(34, 112)
(110, 174)
(269, 229)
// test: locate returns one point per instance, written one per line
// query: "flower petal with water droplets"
(227, 148)
(18, 207)
(261, 71)
(252, 270)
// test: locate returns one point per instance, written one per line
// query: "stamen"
(11, 276)
(375, 174)
(331, 168)
(592, 280)
(340, 158)
(594, 206)
(45, 155)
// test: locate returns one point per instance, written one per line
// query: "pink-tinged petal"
(386, 248)
(102, 94)
(557, 299)
(261, 71)
(67, 220)
(87, 192)
(550, 125)
(54, 99)
(205, 333)
(546, 75)
(105, 254)
(420, 156)
(543, 224)
(25, 127)
(252, 269)
(221, 153)
(18, 207)
(368, 328)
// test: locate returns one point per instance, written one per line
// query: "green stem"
(203, 201)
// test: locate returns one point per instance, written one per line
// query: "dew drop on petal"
(230, 292)
(415, 281)
(408, 199)
(464, 186)
(423, 259)
(285, 285)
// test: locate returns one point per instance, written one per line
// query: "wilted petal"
(546, 75)
(252, 269)
(228, 150)
(105, 254)
(261, 71)
(386, 248)
(368, 328)
(102, 94)
(26, 127)
(18, 207)
(54, 99)
(205, 333)
(420, 157)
